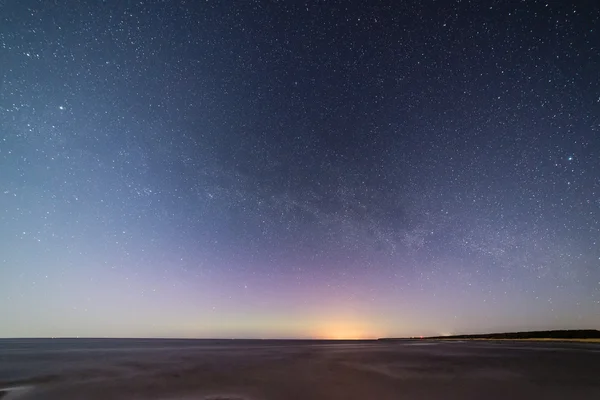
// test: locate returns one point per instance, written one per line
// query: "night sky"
(328, 169)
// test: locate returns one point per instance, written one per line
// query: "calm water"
(46, 359)
(100, 369)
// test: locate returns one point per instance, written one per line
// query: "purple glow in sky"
(277, 169)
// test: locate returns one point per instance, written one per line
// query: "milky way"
(286, 169)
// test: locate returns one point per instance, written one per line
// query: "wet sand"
(281, 370)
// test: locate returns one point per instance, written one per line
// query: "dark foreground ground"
(286, 370)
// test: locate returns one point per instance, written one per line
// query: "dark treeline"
(559, 334)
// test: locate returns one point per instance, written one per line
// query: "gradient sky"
(287, 169)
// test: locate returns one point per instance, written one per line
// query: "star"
(344, 162)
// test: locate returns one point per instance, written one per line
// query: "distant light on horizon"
(200, 171)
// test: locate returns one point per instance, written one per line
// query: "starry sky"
(283, 169)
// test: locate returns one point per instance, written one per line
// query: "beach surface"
(288, 370)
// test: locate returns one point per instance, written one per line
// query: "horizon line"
(291, 338)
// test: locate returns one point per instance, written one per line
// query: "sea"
(32, 365)
(208, 369)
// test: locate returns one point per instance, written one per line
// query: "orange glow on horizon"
(344, 330)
